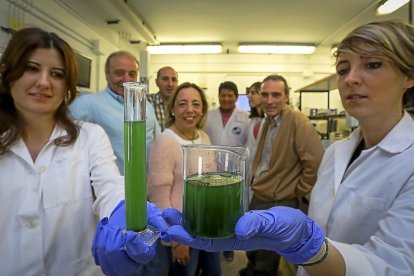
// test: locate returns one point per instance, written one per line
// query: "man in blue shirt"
(106, 108)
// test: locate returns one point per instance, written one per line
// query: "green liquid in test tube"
(135, 175)
(135, 97)
(135, 156)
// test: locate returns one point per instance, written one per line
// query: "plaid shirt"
(159, 107)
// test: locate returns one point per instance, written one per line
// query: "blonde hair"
(393, 40)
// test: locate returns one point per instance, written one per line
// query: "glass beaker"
(135, 95)
(215, 192)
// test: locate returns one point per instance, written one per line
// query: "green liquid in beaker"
(213, 202)
(135, 176)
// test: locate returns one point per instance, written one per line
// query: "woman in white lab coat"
(228, 125)
(361, 215)
(57, 176)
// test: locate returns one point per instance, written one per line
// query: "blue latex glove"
(118, 251)
(285, 230)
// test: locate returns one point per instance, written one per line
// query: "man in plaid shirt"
(167, 81)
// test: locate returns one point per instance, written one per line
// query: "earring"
(172, 114)
(67, 95)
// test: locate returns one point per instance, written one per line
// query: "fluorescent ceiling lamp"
(276, 49)
(390, 6)
(185, 49)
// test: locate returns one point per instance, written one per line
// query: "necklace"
(185, 137)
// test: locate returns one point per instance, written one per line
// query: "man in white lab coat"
(227, 125)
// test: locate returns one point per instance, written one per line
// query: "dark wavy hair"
(171, 119)
(13, 65)
(253, 111)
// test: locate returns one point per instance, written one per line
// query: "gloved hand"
(118, 251)
(285, 230)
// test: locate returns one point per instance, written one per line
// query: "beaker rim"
(239, 150)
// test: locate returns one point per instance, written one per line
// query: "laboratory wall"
(209, 71)
(54, 16)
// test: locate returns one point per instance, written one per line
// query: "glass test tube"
(135, 155)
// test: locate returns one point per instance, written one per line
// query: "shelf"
(329, 122)
(324, 117)
(324, 85)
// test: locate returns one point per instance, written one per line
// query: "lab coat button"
(32, 223)
(42, 169)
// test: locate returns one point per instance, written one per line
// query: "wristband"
(319, 257)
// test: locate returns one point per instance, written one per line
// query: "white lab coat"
(235, 131)
(367, 211)
(48, 208)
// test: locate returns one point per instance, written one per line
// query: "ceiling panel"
(320, 21)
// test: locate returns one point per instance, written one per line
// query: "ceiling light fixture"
(390, 6)
(185, 49)
(276, 49)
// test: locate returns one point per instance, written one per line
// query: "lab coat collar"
(400, 137)
(58, 131)
(343, 153)
(397, 140)
(20, 148)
